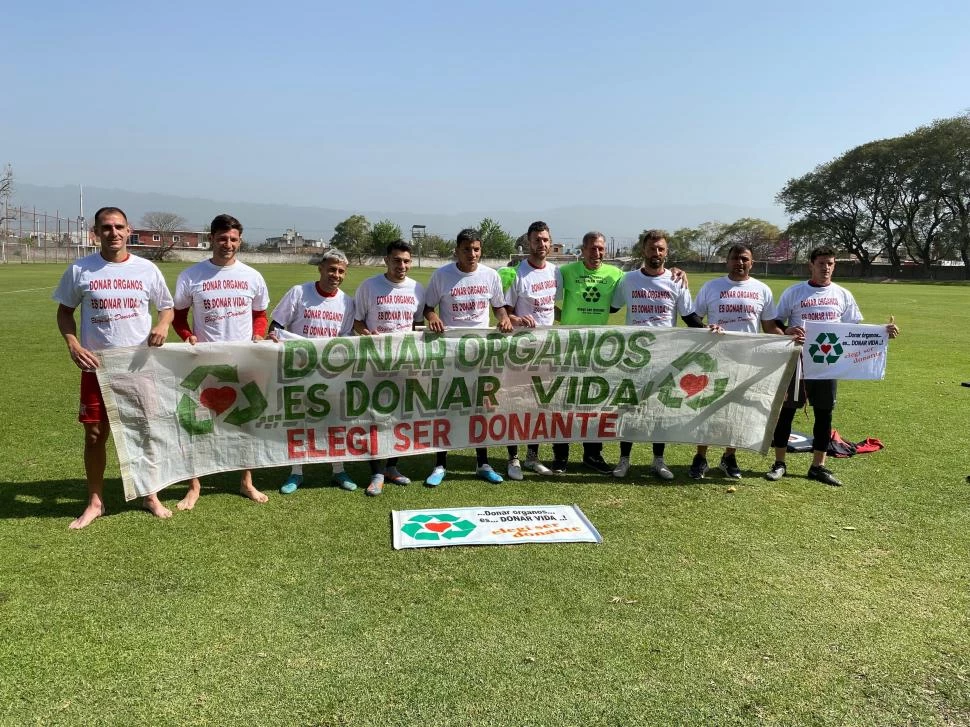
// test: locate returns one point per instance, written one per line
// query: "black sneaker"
(729, 466)
(823, 474)
(698, 467)
(558, 466)
(777, 471)
(597, 463)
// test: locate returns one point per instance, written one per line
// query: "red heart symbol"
(826, 348)
(218, 399)
(437, 527)
(691, 384)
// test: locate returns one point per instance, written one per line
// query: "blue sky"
(445, 107)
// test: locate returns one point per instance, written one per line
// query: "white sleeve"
(67, 292)
(361, 298)
(160, 294)
(498, 295)
(559, 284)
(285, 310)
(769, 312)
(619, 294)
(419, 308)
(433, 293)
(261, 297)
(183, 296)
(347, 325)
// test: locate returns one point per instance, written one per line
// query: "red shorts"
(92, 404)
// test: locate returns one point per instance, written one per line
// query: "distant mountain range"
(263, 220)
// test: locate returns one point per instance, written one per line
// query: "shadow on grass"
(66, 498)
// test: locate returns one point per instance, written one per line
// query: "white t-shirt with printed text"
(651, 300)
(533, 292)
(307, 312)
(222, 299)
(735, 305)
(114, 299)
(803, 303)
(463, 299)
(385, 306)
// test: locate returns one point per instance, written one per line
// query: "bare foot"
(248, 490)
(191, 497)
(155, 507)
(92, 512)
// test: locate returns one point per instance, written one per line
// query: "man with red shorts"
(113, 289)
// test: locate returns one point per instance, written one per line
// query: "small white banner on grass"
(844, 351)
(492, 526)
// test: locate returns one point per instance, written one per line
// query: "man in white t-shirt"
(652, 298)
(228, 301)
(737, 302)
(818, 299)
(318, 309)
(463, 292)
(113, 290)
(531, 301)
(388, 303)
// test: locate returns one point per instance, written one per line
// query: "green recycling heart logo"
(694, 382)
(219, 400)
(826, 348)
(591, 294)
(436, 527)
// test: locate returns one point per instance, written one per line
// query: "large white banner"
(844, 351)
(180, 411)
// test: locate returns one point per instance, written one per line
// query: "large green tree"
(352, 236)
(383, 233)
(496, 242)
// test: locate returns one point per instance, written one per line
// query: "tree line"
(905, 198)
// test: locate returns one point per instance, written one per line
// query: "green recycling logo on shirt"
(218, 399)
(592, 294)
(694, 382)
(436, 527)
(826, 348)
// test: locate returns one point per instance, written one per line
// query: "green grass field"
(786, 603)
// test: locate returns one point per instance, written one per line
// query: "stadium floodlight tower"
(417, 238)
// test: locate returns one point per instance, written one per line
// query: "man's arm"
(259, 324)
(83, 359)
(679, 276)
(504, 322)
(434, 322)
(159, 334)
(520, 321)
(771, 326)
(180, 323)
(361, 330)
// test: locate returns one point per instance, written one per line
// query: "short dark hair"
(537, 226)
(592, 236)
(824, 251)
(402, 245)
(224, 223)
(652, 236)
(469, 234)
(108, 211)
(738, 248)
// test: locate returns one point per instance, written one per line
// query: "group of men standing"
(228, 301)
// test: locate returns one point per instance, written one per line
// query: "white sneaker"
(622, 467)
(537, 467)
(659, 468)
(515, 469)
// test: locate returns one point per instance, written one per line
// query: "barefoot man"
(228, 301)
(113, 289)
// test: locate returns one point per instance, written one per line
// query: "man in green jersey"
(507, 275)
(584, 290)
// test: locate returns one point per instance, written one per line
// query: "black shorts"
(819, 392)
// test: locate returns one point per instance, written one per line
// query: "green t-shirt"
(586, 294)
(507, 276)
